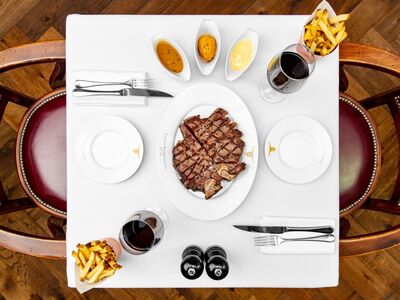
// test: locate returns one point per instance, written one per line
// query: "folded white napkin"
(298, 247)
(109, 76)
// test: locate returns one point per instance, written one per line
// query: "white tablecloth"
(97, 210)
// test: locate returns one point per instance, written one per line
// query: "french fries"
(323, 34)
(339, 18)
(96, 260)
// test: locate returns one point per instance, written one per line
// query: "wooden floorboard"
(11, 11)
(373, 22)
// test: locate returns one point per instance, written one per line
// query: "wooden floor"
(374, 22)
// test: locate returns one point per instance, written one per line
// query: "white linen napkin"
(298, 247)
(109, 76)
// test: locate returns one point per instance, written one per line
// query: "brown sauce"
(169, 57)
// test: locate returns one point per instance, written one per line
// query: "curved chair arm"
(367, 56)
(368, 243)
(43, 52)
(32, 245)
(35, 53)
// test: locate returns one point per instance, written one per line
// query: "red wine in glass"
(143, 230)
(138, 235)
(288, 78)
(287, 72)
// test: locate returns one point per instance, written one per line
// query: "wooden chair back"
(385, 61)
(45, 52)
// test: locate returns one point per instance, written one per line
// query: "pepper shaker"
(217, 266)
(192, 265)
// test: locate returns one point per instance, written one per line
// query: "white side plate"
(298, 149)
(109, 149)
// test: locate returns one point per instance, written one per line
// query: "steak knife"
(80, 92)
(282, 229)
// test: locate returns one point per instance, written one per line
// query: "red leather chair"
(360, 154)
(40, 151)
(360, 150)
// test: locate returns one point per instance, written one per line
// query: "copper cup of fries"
(97, 259)
(324, 33)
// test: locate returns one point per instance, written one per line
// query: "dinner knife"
(282, 229)
(79, 92)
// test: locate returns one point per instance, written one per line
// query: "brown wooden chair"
(40, 151)
(360, 150)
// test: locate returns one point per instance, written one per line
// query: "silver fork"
(275, 240)
(133, 83)
(79, 92)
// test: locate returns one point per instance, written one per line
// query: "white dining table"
(96, 210)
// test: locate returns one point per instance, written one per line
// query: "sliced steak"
(209, 152)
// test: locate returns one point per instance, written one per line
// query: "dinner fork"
(133, 83)
(275, 240)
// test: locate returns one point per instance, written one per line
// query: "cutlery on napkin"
(298, 247)
(108, 100)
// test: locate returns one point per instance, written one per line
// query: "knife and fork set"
(273, 239)
(131, 87)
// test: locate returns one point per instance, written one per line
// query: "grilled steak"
(209, 152)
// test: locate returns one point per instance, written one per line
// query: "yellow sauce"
(169, 57)
(241, 55)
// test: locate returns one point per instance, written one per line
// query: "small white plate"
(109, 149)
(185, 74)
(207, 26)
(253, 36)
(298, 149)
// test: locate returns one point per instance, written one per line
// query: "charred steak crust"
(209, 152)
